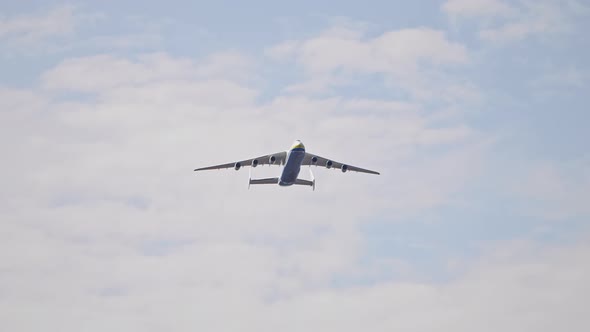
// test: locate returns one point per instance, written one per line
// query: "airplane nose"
(298, 145)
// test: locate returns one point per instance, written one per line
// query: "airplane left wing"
(270, 159)
(312, 159)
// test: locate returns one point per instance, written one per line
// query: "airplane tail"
(300, 182)
(263, 181)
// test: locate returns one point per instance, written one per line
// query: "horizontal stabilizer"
(264, 181)
(302, 182)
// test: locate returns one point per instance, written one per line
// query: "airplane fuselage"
(292, 166)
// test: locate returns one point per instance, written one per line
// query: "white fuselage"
(292, 166)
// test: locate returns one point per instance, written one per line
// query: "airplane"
(292, 160)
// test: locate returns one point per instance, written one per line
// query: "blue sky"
(475, 112)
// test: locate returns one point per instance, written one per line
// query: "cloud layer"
(105, 226)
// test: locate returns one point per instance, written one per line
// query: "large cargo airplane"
(292, 160)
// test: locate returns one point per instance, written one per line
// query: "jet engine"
(237, 166)
(272, 160)
(254, 162)
(329, 164)
(314, 160)
(344, 168)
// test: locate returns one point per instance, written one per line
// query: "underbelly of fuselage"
(292, 168)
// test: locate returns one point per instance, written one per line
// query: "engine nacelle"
(237, 166)
(272, 160)
(314, 160)
(329, 164)
(344, 168)
(254, 162)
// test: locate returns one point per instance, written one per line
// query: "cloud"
(514, 287)
(51, 31)
(476, 8)
(565, 79)
(536, 19)
(15, 100)
(71, 29)
(511, 294)
(519, 20)
(391, 52)
(556, 191)
(412, 60)
(119, 42)
(58, 21)
(104, 72)
(145, 115)
(99, 198)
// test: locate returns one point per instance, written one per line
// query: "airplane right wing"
(312, 159)
(278, 158)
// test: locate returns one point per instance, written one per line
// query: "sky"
(473, 111)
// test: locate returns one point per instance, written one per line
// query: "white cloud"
(148, 115)
(283, 50)
(165, 106)
(130, 41)
(100, 199)
(97, 73)
(152, 112)
(58, 30)
(519, 20)
(412, 60)
(556, 191)
(225, 285)
(103, 72)
(535, 19)
(391, 52)
(52, 31)
(14, 100)
(229, 65)
(476, 8)
(563, 78)
(56, 22)
(541, 293)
